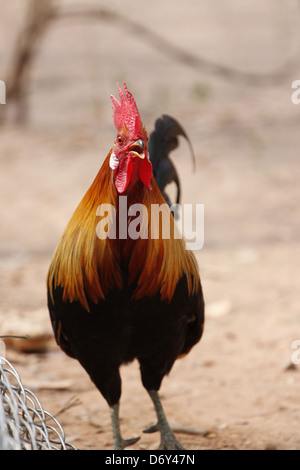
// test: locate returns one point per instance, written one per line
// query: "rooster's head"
(129, 158)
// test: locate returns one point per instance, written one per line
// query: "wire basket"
(24, 424)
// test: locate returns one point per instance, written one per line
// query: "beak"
(138, 148)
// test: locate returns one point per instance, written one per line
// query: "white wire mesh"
(24, 424)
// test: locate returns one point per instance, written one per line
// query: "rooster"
(115, 299)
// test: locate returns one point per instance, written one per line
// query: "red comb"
(126, 112)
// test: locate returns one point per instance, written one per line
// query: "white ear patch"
(113, 161)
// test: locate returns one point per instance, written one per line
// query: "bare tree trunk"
(37, 19)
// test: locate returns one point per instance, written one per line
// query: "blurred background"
(224, 70)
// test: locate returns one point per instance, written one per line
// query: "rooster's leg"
(168, 440)
(119, 442)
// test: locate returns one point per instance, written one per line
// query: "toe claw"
(122, 443)
(130, 442)
(152, 429)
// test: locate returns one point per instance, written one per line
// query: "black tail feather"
(162, 141)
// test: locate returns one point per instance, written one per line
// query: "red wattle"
(145, 173)
(128, 171)
(123, 175)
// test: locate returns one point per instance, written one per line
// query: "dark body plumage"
(118, 329)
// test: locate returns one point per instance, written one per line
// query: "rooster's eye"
(120, 140)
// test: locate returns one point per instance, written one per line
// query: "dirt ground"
(238, 388)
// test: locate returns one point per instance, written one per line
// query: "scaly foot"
(119, 442)
(168, 440)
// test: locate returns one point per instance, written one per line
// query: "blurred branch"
(15, 336)
(41, 13)
(181, 55)
(37, 17)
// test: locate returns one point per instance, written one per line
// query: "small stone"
(219, 309)
(270, 446)
(222, 426)
(289, 366)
